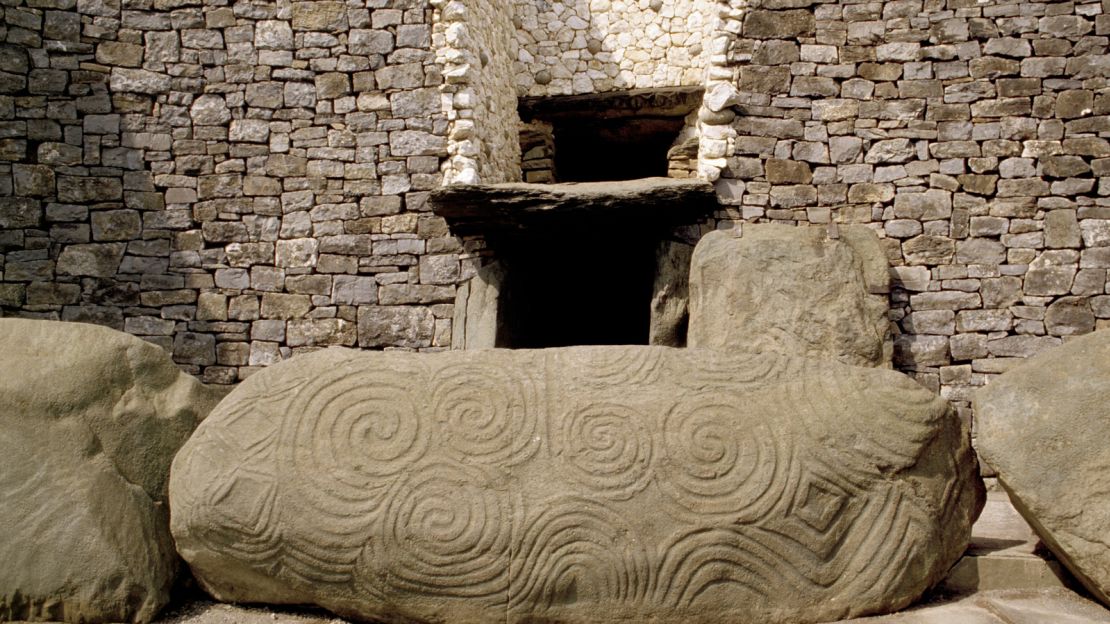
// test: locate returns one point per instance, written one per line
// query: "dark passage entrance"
(619, 135)
(595, 291)
(591, 150)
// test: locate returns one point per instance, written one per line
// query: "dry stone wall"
(239, 182)
(591, 46)
(235, 182)
(969, 134)
(474, 43)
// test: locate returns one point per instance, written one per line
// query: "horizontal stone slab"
(650, 202)
(584, 484)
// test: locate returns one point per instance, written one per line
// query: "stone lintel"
(495, 208)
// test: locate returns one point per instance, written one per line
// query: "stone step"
(1002, 606)
(1004, 553)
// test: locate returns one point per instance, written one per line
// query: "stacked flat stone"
(968, 134)
(238, 184)
(234, 183)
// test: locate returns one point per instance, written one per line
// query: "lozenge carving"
(585, 484)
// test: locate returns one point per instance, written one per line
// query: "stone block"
(125, 80)
(395, 326)
(273, 35)
(890, 151)
(116, 225)
(477, 519)
(920, 351)
(119, 54)
(320, 15)
(929, 250)
(33, 180)
(1069, 316)
(332, 85)
(81, 190)
(93, 420)
(285, 306)
(725, 289)
(299, 252)
(762, 24)
(1041, 422)
(361, 41)
(93, 260)
(321, 332)
(781, 171)
(210, 110)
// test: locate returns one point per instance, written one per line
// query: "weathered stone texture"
(183, 165)
(793, 291)
(1042, 427)
(968, 136)
(91, 420)
(644, 482)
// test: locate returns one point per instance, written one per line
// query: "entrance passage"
(591, 150)
(596, 291)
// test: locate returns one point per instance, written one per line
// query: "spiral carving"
(719, 461)
(486, 415)
(445, 532)
(348, 436)
(608, 449)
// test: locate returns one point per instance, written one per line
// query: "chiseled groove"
(880, 547)
(742, 503)
(508, 406)
(715, 551)
(473, 560)
(618, 368)
(620, 477)
(565, 527)
(824, 556)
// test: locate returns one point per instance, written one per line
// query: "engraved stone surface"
(1043, 426)
(792, 290)
(91, 419)
(584, 484)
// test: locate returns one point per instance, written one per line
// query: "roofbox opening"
(612, 136)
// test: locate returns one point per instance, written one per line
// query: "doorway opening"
(595, 292)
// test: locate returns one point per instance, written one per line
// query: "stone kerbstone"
(1042, 426)
(92, 418)
(792, 290)
(641, 483)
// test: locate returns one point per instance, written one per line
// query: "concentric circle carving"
(486, 414)
(718, 461)
(607, 448)
(446, 532)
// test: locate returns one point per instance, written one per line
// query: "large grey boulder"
(792, 290)
(577, 485)
(90, 419)
(1043, 426)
